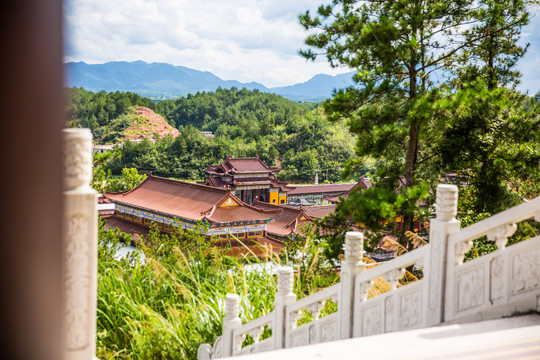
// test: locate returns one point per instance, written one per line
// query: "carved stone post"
(443, 225)
(352, 266)
(284, 297)
(230, 322)
(80, 247)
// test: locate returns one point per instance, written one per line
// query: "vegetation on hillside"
(245, 124)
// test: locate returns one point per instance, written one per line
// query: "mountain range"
(166, 81)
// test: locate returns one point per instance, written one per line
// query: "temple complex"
(250, 179)
(173, 203)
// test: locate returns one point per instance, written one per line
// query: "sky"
(244, 40)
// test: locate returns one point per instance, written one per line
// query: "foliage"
(499, 164)
(168, 302)
(103, 181)
(245, 124)
(129, 179)
(399, 48)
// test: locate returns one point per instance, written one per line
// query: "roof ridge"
(164, 179)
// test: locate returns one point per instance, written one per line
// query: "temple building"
(292, 219)
(363, 183)
(308, 195)
(250, 179)
(173, 203)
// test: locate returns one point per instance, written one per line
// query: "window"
(129, 216)
(281, 201)
(167, 226)
(137, 218)
(147, 221)
(254, 233)
(120, 214)
(222, 237)
(241, 235)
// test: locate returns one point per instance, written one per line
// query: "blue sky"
(244, 40)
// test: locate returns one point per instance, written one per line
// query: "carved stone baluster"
(284, 297)
(393, 277)
(230, 323)
(363, 290)
(80, 247)
(316, 308)
(440, 228)
(352, 266)
(256, 333)
(293, 318)
(501, 234)
(237, 343)
(460, 249)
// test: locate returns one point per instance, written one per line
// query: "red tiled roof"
(288, 221)
(240, 165)
(321, 189)
(319, 211)
(187, 200)
(364, 183)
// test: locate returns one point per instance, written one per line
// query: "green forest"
(245, 123)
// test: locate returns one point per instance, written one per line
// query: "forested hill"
(245, 123)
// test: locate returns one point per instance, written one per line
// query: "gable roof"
(240, 166)
(363, 183)
(188, 201)
(289, 220)
(321, 189)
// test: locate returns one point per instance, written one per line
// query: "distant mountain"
(165, 81)
(318, 86)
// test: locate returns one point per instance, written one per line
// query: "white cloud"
(245, 40)
(249, 40)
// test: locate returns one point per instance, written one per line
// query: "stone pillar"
(80, 247)
(352, 266)
(230, 322)
(284, 297)
(443, 225)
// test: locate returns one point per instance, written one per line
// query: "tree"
(396, 47)
(494, 57)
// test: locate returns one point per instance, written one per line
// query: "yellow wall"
(274, 197)
(282, 198)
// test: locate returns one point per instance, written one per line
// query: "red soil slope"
(146, 124)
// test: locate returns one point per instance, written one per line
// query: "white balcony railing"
(499, 284)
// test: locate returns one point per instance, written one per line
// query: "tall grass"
(167, 305)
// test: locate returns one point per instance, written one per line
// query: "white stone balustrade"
(255, 330)
(499, 284)
(80, 247)
(319, 329)
(392, 310)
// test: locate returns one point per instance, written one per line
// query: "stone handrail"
(494, 285)
(497, 227)
(381, 313)
(498, 284)
(255, 330)
(319, 329)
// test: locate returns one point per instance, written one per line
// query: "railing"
(498, 284)
(501, 283)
